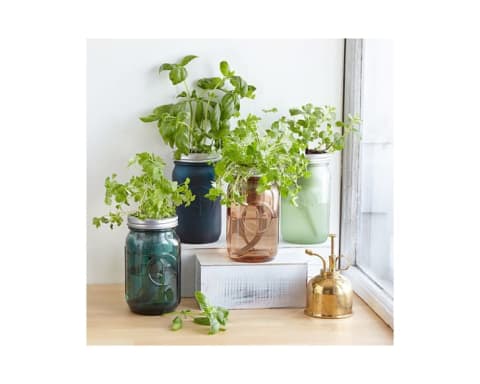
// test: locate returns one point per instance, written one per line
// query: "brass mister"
(329, 295)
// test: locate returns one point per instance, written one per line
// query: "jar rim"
(199, 157)
(319, 158)
(152, 224)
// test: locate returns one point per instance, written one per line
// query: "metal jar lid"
(152, 224)
(199, 157)
(319, 158)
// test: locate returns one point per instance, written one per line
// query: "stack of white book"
(274, 284)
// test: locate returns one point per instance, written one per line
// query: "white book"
(275, 284)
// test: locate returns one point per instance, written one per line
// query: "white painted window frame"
(363, 285)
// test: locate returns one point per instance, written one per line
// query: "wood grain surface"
(109, 322)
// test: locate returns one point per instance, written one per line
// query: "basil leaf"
(251, 92)
(169, 295)
(201, 320)
(215, 117)
(162, 109)
(199, 114)
(165, 67)
(224, 129)
(240, 85)
(224, 68)
(181, 137)
(201, 300)
(177, 75)
(227, 106)
(214, 326)
(177, 323)
(187, 59)
(210, 83)
(150, 118)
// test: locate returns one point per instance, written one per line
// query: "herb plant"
(155, 196)
(200, 120)
(272, 154)
(214, 317)
(315, 128)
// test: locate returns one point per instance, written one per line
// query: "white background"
(123, 84)
(43, 154)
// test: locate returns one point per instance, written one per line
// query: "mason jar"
(308, 223)
(152, 266)
(201, 221)
(252, 228)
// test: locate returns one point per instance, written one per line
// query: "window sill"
(372, 294)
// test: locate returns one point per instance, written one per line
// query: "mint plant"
(272, 154)
(212, 316)
(154, 195)
(200, 120)
(317, 128)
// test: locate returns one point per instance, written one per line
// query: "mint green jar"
(309, 222)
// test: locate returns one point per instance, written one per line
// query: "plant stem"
(192, 121)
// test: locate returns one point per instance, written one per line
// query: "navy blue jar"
(152, 266)
(201, 221)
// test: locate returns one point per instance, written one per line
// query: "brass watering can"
(330, 294)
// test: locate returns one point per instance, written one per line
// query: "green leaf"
(224, 68)
(270, 110)
(201, 300)
(177, 74)
(165, 67)
(214, 326)
(210, 83)
(156, 197)
(182, 94)
(295, 111)
(224, 129)
(225, 312)
(187, 59)
(182, 138)
(169, 295)
(240, 85)
(227, 106)
(251, 92)
(162, 109)
(177, 323)
(215, 117)
(150, 118)
(201, 320)
(199, 113)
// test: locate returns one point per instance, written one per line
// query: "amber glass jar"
(252, 228)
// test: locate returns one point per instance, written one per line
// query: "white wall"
(123, 84)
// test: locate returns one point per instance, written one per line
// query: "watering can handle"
(337, 262)
(311, 253)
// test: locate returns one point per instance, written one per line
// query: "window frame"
(364, 286)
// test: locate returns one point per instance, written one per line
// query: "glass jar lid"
(199, 157)
(320, 158)
(152, 224)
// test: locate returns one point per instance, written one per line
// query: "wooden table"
(109, 321)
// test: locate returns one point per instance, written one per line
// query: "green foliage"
(177, 323)
(317, 128)
(200, 119)
(214, 317)
(273, 154)
(155, 196)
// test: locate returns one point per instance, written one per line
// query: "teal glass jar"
(152, 266)
(309, 222)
